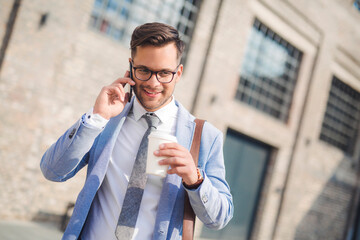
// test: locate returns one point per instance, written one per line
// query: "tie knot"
(151, 119)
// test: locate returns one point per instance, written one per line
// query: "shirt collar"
(164, 113)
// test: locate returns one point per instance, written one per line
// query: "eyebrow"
(164, 69)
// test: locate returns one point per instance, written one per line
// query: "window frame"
(266, 99)
(118, 26)
(327, 128)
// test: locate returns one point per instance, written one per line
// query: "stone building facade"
(273, 75)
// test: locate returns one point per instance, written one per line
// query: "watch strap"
(198, 182)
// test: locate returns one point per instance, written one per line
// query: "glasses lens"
(142, 74)
(165, 76)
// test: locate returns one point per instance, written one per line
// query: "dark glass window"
(357, 4)
(247, 163)
(341, 121)
(269, 72)
(118, 18)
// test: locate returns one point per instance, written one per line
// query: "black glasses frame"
(156, 73)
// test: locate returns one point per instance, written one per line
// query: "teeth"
(152, 92)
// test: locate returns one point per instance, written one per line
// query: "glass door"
(246, 162)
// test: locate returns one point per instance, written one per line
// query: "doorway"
(246, 163)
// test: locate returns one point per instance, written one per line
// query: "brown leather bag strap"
(189, 215)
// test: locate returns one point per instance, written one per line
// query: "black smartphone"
(131, 88)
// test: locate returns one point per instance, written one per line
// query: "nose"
(153, 82)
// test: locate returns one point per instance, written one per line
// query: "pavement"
(16, 230)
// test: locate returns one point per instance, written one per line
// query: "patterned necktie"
(135, 189)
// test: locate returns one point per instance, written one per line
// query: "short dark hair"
(158, 35)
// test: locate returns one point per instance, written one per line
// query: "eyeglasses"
(163, 76)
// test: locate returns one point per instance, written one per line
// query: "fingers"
(172, 150)
(115, 92)
(124, 80)
(180, 161)
(127, 74)
(117, 87)
(186, 170)
(113, 98)
(178, 170)
(172, 146)
(173, 161)
(119, 90)
(174, 155)
(169, 152)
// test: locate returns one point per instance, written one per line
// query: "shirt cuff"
(95, 121)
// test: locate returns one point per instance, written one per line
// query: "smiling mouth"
(151, 93)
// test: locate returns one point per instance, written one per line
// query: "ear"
(179, 72)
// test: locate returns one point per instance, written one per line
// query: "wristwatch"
(198, 182)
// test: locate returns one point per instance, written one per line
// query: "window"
(247, 163)
(341, 121)
(118, 18)
(357, 4)
(269, 72)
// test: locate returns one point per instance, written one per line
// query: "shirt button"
(204, 198)
(72, 133)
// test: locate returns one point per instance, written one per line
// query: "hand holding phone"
(113, 98)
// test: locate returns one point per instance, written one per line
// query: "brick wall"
(50, 77)
(52, 74)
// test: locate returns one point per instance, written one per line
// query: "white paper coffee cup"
(155, 139)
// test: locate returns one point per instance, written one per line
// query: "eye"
(143, 71)
(165, 73)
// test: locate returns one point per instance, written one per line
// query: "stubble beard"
(150, 106)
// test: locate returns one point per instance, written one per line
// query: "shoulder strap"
(189, 215)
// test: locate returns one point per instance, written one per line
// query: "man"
(108, 137)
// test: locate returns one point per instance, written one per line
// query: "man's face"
(152, 94)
